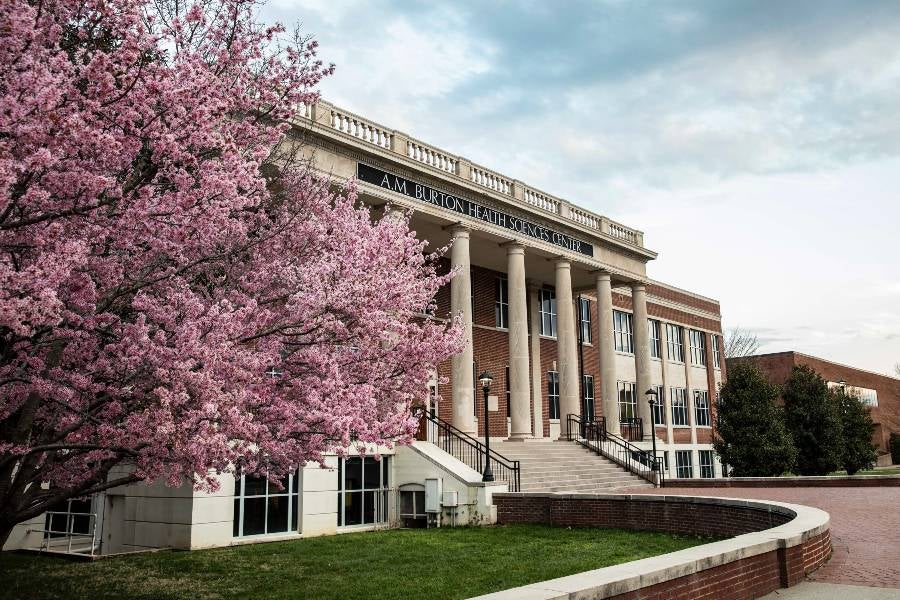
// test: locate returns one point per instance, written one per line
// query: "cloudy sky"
(757, 144)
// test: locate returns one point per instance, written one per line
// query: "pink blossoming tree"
(159, 255)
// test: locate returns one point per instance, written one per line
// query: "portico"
(535, 275)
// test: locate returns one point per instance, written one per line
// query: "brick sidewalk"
(865, 527)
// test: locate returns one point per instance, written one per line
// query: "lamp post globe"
(485, 379)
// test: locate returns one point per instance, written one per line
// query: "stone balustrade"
(430, 156)
(542, 200)
(368, 131)
(360, 128)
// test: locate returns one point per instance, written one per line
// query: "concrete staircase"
(566, 467)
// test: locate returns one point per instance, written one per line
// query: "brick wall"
(491, 351)
(777, 368)
(745, 578)
(669, 515)
(770, 482)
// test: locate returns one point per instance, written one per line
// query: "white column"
(569, 386)
(537, 396)
(606, 350)
(520, 391)
(461, 303)
(642, 355)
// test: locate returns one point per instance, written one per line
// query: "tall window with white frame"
(678, 400)
(622, 332)
(707, 470)
(548, 312)
(588, 384)
(584, 318)
(363, 491)
(698, 347)
(701, 408)
(715, 350)
(659, 409)
(501, 303)
(684, 467)
(627, 401)
(675, 342)
(553, 393)
(261, 508)
(508, 395)
(472, 291)
(655, 338)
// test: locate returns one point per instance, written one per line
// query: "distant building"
(880, 392)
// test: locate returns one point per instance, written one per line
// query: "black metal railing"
(469, 449)
(595, 437)
(632, 429)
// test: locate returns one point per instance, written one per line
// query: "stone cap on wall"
(807, 523)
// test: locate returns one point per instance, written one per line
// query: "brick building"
(879, 391)
(556, 303)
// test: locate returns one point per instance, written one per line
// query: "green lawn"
(434, 563)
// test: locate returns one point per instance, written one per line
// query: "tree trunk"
(6, 528)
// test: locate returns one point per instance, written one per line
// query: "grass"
(433, 563)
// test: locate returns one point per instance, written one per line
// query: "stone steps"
(566, 467)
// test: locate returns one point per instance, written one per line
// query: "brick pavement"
(865, 527)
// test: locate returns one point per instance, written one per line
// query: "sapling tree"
(158, 256)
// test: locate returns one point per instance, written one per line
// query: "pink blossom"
(150, 274)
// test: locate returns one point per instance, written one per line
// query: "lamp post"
(652, 399)
(486, 378)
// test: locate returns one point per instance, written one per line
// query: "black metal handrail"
(470, 450)
(594, 436)
(632, 429)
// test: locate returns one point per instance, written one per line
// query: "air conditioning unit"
(450, 499)
(433, 489)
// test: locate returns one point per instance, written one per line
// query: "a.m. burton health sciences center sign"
(471, 209)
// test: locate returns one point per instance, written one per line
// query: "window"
(260, 508)
(655, 339)
(715, 349)
(501, 303)
(706, 464)
(412, 505)
(553, 393)
(675, 342)
(363, 493)
(659, 409)
(584, 317)
(701, 408)
(679, 406)
(627, 400)
(508, 387)
(472, 291)
(868, 397)
(548, 312)
(588, 390)
(683, 467)
(622, 332)
(698, 347)
(475, 391)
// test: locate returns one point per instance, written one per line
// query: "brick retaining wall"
(806, 482)
(779, 545)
